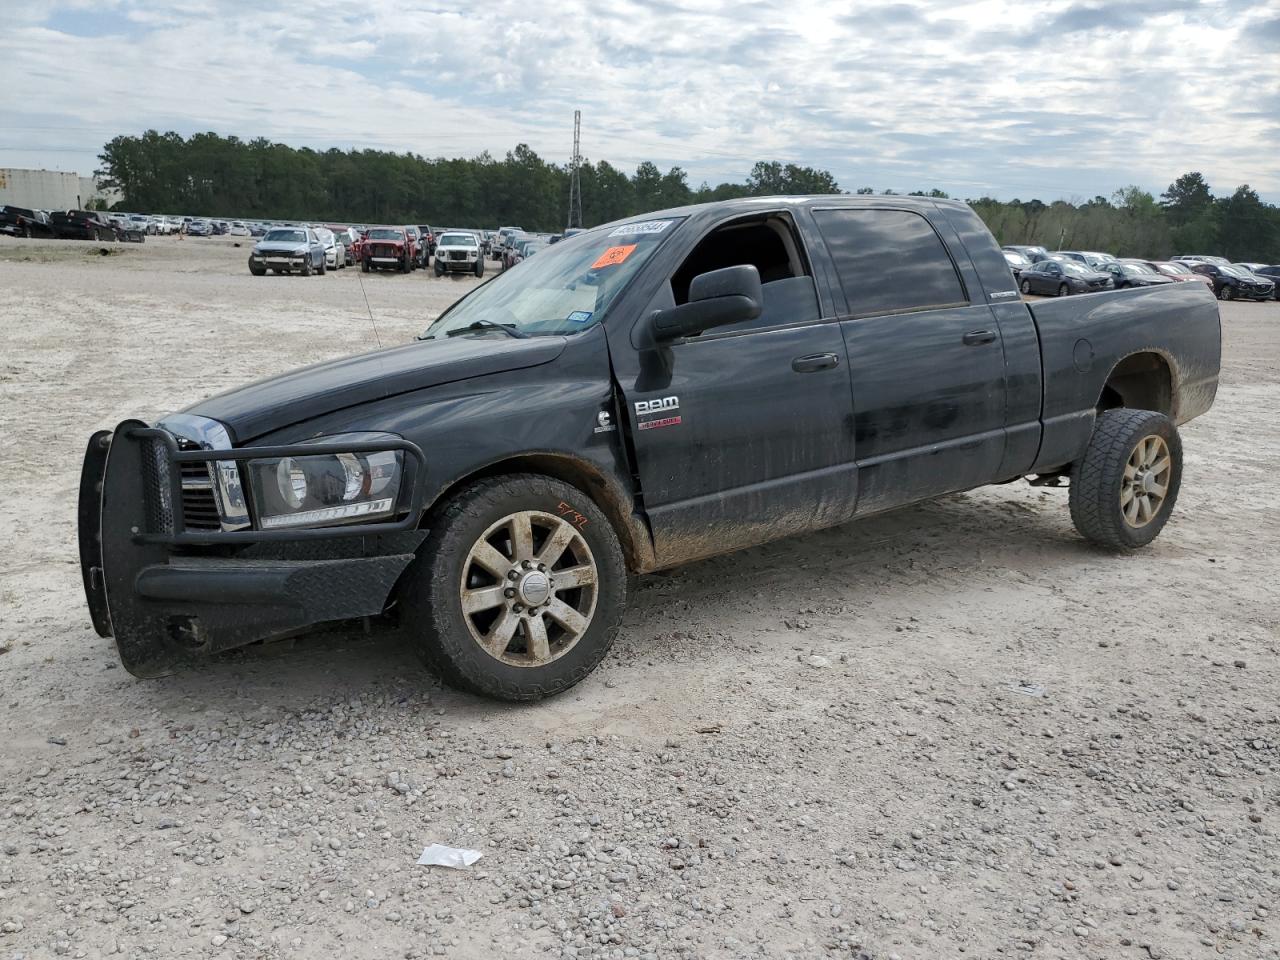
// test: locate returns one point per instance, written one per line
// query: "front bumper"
(458, 266)
(171, 596)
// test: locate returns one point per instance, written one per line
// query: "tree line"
(211, 175)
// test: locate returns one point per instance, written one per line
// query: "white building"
(51, 189)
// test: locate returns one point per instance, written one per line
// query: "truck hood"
(258, 408)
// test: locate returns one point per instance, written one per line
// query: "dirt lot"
(950, 731)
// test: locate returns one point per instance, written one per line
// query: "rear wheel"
(519, 589)
(322, 267)
(1124, 487)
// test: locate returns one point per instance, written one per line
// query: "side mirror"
(717, 298)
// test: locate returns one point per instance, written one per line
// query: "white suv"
(458, 252)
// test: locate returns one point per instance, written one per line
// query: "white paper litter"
(438, 855)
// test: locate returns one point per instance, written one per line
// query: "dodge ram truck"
(644, 394)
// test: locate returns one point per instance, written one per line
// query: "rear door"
(926, 362)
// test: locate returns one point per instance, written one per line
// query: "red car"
(1178, 271)
(386, 248)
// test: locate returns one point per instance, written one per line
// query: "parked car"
(288, 250)
(494, 485)
(1134, 273)
(1202, 258)
(1179, 272)
(82, 225)
(1062, 277)
(1017, 262)
(238, 229)
(1232, 284)
(386, 247)
(1090, 258)
(458, 252)
(199, 228)
(1032, 253)
(505, 236)
(346, 236)
(24, 222)
(526, 248)
(334, 255)
(418, 255)
(427, 240)
(1269, 272)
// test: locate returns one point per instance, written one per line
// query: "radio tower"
(575, 182)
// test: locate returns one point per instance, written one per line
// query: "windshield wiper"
(507, 328)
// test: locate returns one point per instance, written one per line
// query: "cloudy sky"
(1051, 98)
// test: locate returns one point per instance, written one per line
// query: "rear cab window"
(890, 261)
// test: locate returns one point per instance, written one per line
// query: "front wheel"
(479, 268)
(519, 589)
(1064, 290)
(1124, 487)
(1227, 293)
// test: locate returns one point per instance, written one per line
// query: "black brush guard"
(171, 596)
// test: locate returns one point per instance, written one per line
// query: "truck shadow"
(951, 536)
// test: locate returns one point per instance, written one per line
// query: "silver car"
(288, 250)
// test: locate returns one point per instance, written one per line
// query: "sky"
(1051, 99)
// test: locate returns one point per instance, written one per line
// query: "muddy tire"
(1126, 484)
(519, 589)
(257, 271)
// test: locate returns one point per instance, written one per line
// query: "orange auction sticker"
(613, 256)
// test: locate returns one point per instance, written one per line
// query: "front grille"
(199, 505)
(382, 250)
(457, 255)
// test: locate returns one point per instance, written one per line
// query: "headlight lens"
(327, 489)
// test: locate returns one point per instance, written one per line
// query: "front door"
(744, 433)
(926, 365)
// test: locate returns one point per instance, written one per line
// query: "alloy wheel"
(1146, 481)
(528, 588)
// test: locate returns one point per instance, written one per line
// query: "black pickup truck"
(638, 396)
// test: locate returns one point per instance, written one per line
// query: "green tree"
(1187, 198)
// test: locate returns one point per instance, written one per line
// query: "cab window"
(889, 261)
(768, 242)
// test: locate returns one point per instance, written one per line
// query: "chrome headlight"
(319, 491)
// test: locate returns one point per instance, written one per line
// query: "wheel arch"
(604, 491)
(1142, 380)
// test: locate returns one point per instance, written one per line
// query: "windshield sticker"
(637, 229)
(579, 316)
(613, 256)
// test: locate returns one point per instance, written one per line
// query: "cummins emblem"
(657, 406)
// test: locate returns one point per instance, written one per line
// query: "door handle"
(975, 337)
(814, 362)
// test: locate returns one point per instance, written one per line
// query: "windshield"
(384, 233)
(286, 236)
(1076, 269)
(1134, 269)
(566, 288)
(1174, 270)
(1233, 272)
(457, 240)
(1015, 258)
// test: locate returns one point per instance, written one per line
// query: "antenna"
(575, 182)
(370, 309)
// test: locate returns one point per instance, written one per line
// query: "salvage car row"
(1064, 272)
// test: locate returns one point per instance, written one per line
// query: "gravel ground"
(954, 730)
